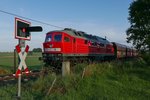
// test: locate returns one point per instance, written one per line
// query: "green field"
(7, 61)
(117, 80)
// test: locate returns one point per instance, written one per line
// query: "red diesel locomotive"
(72, 45)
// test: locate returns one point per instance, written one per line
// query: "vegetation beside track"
(109, 80)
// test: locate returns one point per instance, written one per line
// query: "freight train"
(78, 46)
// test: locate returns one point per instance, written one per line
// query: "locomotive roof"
(81, 34)
(120, 45)
(71, 32)
(102, 40)
(86, 36)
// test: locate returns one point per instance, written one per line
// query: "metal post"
(22, 45)
(19, 87)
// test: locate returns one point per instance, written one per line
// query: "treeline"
(37, 50)
(139, 18)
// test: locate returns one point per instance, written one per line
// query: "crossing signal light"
(23, 29)
(20, 29)
(32, 29)
(27, 30)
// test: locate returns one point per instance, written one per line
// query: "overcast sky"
(98, 17)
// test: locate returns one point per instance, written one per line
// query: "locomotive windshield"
(48, 38)
(58, 37)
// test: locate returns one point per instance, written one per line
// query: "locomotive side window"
(66, 39)
(48, 38)
(58, 38)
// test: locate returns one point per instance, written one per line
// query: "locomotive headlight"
(50, 45)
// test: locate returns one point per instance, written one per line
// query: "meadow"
(7, 62)
(116, 80)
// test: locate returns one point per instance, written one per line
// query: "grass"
(118, 80)
(7, 61)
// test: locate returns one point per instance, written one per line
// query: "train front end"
(52, 47)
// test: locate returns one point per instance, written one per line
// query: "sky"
(98, 17)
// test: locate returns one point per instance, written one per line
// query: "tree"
(37, 50)
(139, 18)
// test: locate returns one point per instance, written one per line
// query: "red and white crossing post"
(22, 57)
(22, 32)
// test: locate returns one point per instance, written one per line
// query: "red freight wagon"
(129, 52)
(120, 50)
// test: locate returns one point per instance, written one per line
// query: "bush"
(146, 57)
(37, 50)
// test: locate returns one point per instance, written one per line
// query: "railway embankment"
(109, 80)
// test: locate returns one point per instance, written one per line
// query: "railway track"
(10, 78)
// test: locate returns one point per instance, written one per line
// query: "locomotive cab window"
(58, 37)
(48, 38)
(66, 39)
